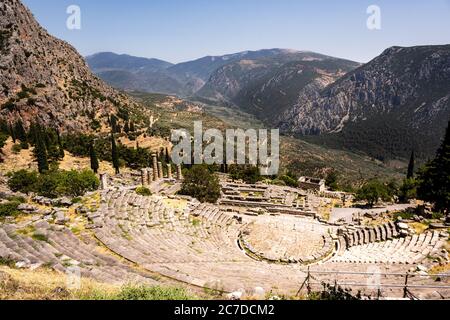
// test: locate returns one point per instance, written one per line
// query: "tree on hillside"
(434, 178)
(115, 154)
(332, 180)
(167, 156)
(410, 174)
(40, 152)
(126, 127)
(12, 133)
(94, 159)
(201, 184)
(60, 146)
(372, 192)
(21, 134)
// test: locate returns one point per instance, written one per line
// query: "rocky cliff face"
(44, 78)
(267, 87)
(404, 90)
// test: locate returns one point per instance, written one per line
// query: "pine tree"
(410, 174)
(434, 178)
(115, 155)
(40, 152)
(94, 159)
(132, 128)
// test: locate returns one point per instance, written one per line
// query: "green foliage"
(143, 191)
(434, 178)
(330, 292)
(9, 208)
(410, 173)
(372, 192)
(289, 180)
(16, 148)
(201, 184)
(94, 159)
(40, 149)
(23, 181)
(140, 292)
(153, 293)
(332, 181)
(115, 155)
(247, 173)
(54, 184)
(408, 190)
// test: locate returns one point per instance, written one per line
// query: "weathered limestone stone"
(160, 170)
(149, 176)
(155, 167)
(144, 177)
(169, 171)
(179, 174)
(60, 217)
(103, 181)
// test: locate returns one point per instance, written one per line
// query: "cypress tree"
(60, 146)
(12, 133)
(94, 159)
(434, 178)
(132, 129)
(40, 152)
(126, 127)
(115, 155)
(410, 174)
(168, 160)
(4, 126)
(21, 134)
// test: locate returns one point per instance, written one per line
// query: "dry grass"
(175, 203)
(151, 143)
(418, 227)
(25, 160)
(42, 284)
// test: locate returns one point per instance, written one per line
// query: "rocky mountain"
(398, 102)
(268, 86)
(43, 78)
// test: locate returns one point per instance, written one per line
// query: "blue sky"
(181, 30)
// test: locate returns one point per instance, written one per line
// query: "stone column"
(155, 167)
(169, 171)
(144, 177)
(179, 174)
(103, 181)
(160, 170)
(149, 176)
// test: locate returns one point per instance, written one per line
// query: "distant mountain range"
(386, 108)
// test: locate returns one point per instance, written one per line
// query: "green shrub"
(9, 208)
(23, 181)
(201, 184)
(289, 181)
(16, 148)
(54, 184)
(143, 191)
(153, 293)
